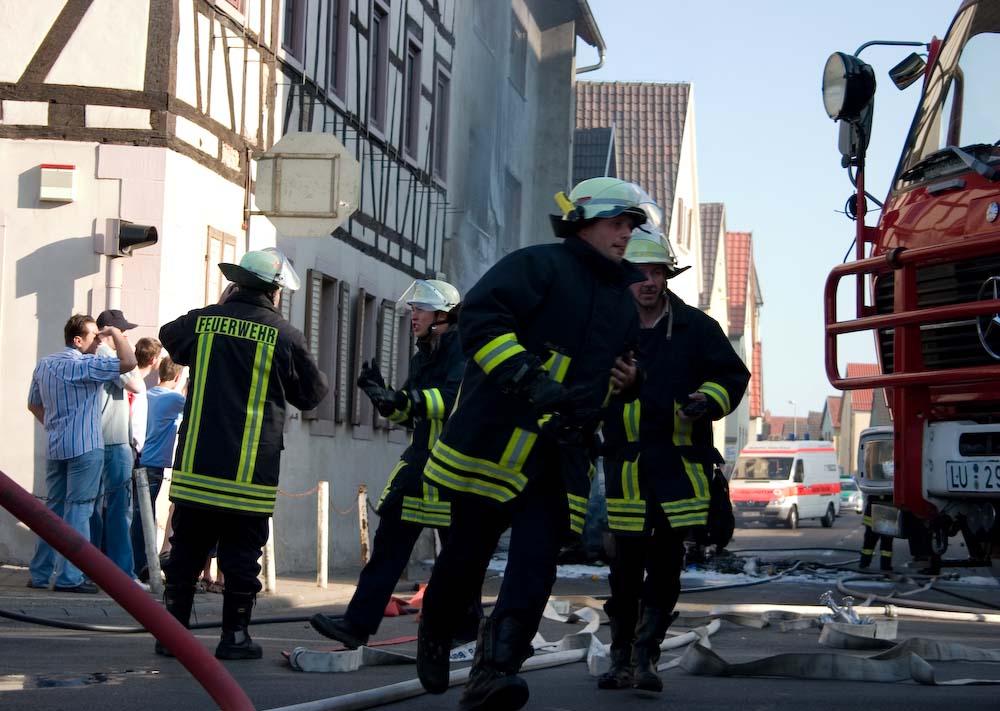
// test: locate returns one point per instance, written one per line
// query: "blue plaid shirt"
(67, 384)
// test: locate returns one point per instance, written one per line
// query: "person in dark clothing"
(659, 458)
(547, 333)
(246, 363)
(871, 538)
(407, 505)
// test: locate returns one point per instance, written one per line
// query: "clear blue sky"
(765, 146)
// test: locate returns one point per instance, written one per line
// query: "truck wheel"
(793, 518)
(827, 519)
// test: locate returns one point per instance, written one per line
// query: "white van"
(786, 481)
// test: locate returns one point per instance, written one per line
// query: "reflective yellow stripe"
(518, 448)
(557, 365)
(682, 431)
(886, 554)
(866, 521)
(400, 416)
(462, 462)
(631, 415)
(436, 427)
(221, 493)
(577, 503)
(197, 396)
(685, 505)
(255, 411)
(867, 551)
(434, 403)
(717, 393)
(576, 523)
(426, 511)
(699, 482)
(627, 506)
(616, 523)
(497, 351)
(388, 485)
(457, 482)
(685, 520)
(630, 479)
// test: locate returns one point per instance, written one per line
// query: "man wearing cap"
(547, 332)
(65, 398)
(246, 363)
(112, 518)
(659, 457)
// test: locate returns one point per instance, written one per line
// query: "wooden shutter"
(384, 350)
(344, 380)
(359, 345)
(314, 309)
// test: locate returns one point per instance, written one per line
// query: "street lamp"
(795, 420)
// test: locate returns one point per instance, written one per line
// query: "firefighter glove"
(370, 376)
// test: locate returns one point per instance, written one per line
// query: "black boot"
(493, 682)
(432, 658)
(622, 671)
(646, 651)
(178, 599)
(235, 642)
(340, 629)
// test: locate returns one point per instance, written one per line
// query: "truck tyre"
(793, 518)
(828, 517)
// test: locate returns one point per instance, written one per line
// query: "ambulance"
(784, 482)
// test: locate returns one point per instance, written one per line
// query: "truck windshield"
(958, 107)
(763, 468)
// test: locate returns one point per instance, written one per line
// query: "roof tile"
(738, 246)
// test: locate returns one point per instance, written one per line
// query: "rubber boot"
(885, 563)
(622, 671)
(432, 658)
(866, 560)
(178, 599)
(646, 651)
(493, 681)
(235, 643)
(340, 629)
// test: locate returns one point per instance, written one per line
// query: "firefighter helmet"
(431, 295)
(649, 246)
(264, 270)
(597, 198)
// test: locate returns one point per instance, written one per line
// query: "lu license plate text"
(983, 475)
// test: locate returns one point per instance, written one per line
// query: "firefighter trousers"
(537, 519)
(646, 570)
(240, 538)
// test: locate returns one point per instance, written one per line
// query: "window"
(681, 222)
(411, 107)
(323, 325)
(402, 349)
(237, 4)
(378, 64)
(518, 53)
(221, 248)
(362, 412)
(442, 103)
(340, 16)
(512, 210)
(293, 28)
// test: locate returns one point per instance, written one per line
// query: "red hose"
(219, 684)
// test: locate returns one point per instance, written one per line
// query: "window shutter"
(314, 309)
(344, 380)
(359, 344)
(384, 350)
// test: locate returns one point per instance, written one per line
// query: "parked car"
(851, 498)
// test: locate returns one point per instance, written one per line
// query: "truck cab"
(927, 278)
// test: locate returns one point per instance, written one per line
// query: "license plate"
(749, 514)
(980, 475)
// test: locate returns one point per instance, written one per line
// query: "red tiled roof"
(756, 381)
(713, 224)
(833, 403)
(861, 400)
(737, 273)
(649, 128)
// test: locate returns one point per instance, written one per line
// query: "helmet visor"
(423, 295)
(286, 276)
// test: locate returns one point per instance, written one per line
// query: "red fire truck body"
(927, 281)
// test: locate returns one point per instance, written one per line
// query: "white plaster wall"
(32, 22)
(112, 36)
(687, 285)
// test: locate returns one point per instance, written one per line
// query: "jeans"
(154, 476)
(109, 529)
(72, 486)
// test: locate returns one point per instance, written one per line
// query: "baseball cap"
(114, 317)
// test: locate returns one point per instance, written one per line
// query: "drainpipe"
(591, 34)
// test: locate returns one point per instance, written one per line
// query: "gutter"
(588, 30)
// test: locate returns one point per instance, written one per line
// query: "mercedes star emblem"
(988, 325)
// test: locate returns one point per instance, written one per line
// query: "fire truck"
(926, 283)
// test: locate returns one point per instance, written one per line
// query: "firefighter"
(871, 537)
(246, 363)
(406, 505)
(546, 331)
(659, 458)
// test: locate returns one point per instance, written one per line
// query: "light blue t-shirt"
(165, 407)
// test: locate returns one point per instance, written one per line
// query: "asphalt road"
(51, 668)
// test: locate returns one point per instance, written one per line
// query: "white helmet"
(431, 295)
(262, 269)
(597, 198)
(649, 246)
